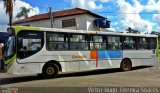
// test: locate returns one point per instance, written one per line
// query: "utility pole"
(51, 17)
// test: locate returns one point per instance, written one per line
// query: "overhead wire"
(124, 13)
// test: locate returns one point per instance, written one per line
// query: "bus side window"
(143, 43)
(129, 43)
(98, 42)
(57, 41)
(114, 42)
(153, 43)
(79, 42)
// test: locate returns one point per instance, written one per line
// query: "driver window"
(29, 43)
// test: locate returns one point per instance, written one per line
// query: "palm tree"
(24, 12)
(8, 5)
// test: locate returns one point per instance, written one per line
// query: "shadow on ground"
(11, 80)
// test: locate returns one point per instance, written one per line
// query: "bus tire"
(126, 65)
(50, 70)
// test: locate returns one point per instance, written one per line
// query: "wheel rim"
(126, 65)
(50, 70)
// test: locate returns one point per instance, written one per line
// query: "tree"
(130, 30)
(24, 12)
(8, 5)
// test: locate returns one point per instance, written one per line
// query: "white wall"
(89, 21)
(84, 22)
(40, 23)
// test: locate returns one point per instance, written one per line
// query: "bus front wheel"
(126, 65)
(50, 70)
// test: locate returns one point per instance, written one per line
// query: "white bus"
(48, 51)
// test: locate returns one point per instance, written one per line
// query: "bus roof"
(19, 28)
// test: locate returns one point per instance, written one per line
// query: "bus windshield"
(10, 47)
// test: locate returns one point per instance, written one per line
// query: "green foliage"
(24, 12)
(130, 30)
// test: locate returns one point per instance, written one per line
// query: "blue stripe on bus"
(110, 54)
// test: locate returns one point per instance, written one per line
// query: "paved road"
(138, 77)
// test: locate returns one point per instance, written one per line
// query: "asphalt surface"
(146, 76)
(143, 76)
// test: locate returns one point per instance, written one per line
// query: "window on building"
(129, 43)
(114, 42)
(68, 23)
(143, 43)
(97, 42)
(57, 41)
(78, 42)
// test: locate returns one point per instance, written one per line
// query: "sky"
(142, 15)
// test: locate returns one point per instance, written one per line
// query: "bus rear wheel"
(50, 70)
(126, 65)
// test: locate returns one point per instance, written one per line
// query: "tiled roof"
(69, 12)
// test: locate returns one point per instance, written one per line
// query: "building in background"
(77, 19)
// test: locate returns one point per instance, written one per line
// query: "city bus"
(50, 51)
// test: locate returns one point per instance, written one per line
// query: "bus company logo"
(79, 56)
(9, 90)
